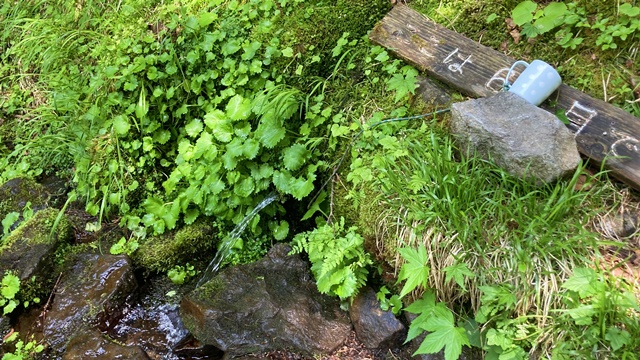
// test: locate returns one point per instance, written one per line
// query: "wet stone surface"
(92, 292)
(267, 305)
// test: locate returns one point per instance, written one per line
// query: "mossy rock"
(161, 253)
(29, 251)
(16, 193)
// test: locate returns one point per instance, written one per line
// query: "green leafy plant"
(392, 303)
(23, 351)
(9, 288)
(604, 311)
(338, 260)
(179, 274)
(570, 18)
(438, 320)
(124, 246)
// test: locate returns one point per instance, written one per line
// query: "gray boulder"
(375, 328)
(91, 292)
(267, 305)
(523, 139)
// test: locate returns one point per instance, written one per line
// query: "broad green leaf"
(11, 305)
(10, 286)
(281, 230)
(121, 125)
(445, 334)
(270, 131)
(295, 156)
(523, 13)
(617, 338)
(583, 314)
(238, 108)
(194, 127)
(245, 187)
(207, 18)
(219, 125)
(154, 206)
(204, 146)
(250, 148)
(9, 220)
(403, 85)
(458, 272)
(415, 271)
(584, 281)
(235, 148)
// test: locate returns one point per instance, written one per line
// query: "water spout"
(227, 243)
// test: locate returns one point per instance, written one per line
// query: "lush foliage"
(338, 260)
(571, 19)
(23, 351)
(179, 274)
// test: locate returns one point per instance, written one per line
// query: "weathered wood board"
(604, 133)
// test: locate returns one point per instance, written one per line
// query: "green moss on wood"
(161, 253)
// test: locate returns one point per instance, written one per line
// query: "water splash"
(227, 243)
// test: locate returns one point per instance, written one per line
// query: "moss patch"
(16, 193)
(161, 253)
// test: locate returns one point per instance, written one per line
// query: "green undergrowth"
(583, 49)
(502, 253)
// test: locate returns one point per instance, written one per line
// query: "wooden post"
(604, 133)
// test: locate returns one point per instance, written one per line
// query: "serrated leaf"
(121, 125)
(584, 281)
(207, 18)
(250, 148)
(238, 108)
(194, 127)
(10, 286)
(458, 272)
(220, 127)
(270, 130)
(617, 338)
(415, 271)
(444, 334)
(295, 156)
(204, 146)
(245, 187)
(403, 85)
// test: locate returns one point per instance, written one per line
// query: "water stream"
(226, 244)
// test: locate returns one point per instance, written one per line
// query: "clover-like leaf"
(238, 108)
(295, 156)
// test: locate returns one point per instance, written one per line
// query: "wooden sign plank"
(604, 133)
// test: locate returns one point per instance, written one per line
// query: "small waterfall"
(227, 243)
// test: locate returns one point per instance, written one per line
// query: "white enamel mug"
(536, 83)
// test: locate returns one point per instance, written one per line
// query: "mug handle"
(507, 84)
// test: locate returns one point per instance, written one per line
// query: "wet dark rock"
(375, 328)
(90, 294)
(94, 345)
(433, 92)
(267, 305)
(192, 348)
(523, 139)
(28, 250)
(16, 193)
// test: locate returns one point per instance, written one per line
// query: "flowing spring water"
(227, 243)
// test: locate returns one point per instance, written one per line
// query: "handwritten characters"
(454, 61)
(580, 116)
